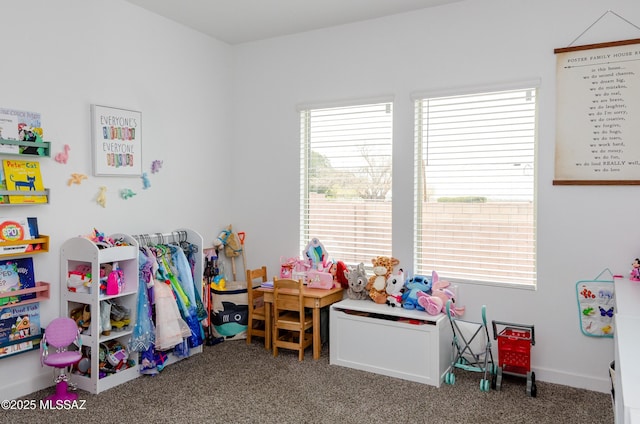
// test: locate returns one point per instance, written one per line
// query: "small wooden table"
(314, 299)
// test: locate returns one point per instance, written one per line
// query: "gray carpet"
(235, 383)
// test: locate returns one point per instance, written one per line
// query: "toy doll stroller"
(471, 349)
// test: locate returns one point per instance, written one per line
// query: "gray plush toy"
(358, 280)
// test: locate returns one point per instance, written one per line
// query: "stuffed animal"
(395, 284)
(436, 302)
(413, 286)
(357, 278)
(382, 269)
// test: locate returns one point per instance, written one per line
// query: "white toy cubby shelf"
(80, 252)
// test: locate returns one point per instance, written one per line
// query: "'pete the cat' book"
(23, 176)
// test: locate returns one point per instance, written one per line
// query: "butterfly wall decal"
(606, 312)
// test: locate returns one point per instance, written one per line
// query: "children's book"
(3, 186)
(18, 228)
(16, 274)
(21, 322)
(24, 176)
(20, 125)
(8, 131)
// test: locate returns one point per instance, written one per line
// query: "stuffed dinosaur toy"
(382, 269)
(357, 282)
(436, 302)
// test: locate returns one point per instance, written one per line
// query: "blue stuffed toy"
(413, 285)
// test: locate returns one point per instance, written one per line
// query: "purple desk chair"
(61, 334)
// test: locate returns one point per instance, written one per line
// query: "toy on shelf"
(382, 269)
(413, 286)
(79, 281)
(113, 358)
(435, 302)
(63, 156)
(395, 284)
(357, 278)
(635, 270)
(82, 316)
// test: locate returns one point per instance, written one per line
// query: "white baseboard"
(17, 389)
(602, 385)
(25, 387)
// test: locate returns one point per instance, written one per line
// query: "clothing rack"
(178, 237)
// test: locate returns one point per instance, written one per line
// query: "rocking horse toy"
(232, 247)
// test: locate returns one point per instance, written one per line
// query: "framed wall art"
(116, 141)
(598, 114)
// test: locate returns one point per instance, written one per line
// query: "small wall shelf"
(34, 345)
(26, 247)
(24, 193)
(41, 290)
(41, 148)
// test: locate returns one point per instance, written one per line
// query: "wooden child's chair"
(290, 321)
(257, 325)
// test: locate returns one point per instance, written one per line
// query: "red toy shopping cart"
(514, 353)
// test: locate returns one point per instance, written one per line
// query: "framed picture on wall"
(597, 114)
(116, 141)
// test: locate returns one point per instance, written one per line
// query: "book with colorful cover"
(14, 229)
(3, 186)
(16, 274)
(20, 125)
(20, 322)
(22, 175)
(8, 131)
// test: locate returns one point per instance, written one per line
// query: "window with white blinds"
(345, 192)
(475, 187)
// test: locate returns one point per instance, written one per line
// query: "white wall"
(582, 230)
(60, 57)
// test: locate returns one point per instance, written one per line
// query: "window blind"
(345, 190)
(475, 187)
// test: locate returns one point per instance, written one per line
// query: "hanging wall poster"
(598, 114)
(116, 141)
